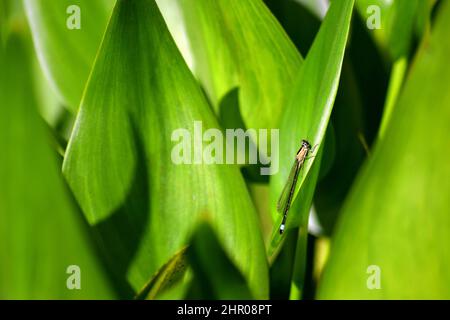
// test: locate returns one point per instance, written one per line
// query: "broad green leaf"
(41, 231)
(308, 112)
(238, 44)
(119, 159)
(300, 23)
(66, 55)
(215, 276)
(397, 216)
(398, 73)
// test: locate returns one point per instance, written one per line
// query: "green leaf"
(119, 164)
(10, 17)
(41, 231)
(309, 109)
(239, 44)
(397, 215)
(67, 55)
(406, 18)
(215, 276)
(400, 21)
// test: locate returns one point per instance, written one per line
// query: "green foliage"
(119, 165)
(88, 118)
(215, 277)
(310, 106)
(396, 216)
(239, 44)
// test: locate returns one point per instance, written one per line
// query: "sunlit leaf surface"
(239, 44)
(396, 218)
(119, 161)
(41, 231)
(67, 53)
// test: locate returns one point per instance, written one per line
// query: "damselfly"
(284, 202)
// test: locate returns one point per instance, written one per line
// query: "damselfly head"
(306, 144)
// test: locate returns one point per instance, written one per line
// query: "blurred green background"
(92, 90)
